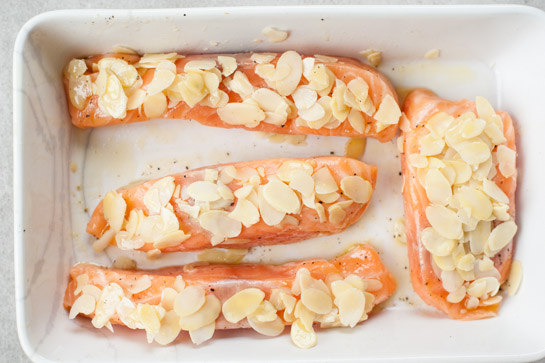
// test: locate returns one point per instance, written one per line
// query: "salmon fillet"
(420, 106)
(314, 214)
(224, 281)
(85, 110)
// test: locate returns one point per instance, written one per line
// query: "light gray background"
(13, 14)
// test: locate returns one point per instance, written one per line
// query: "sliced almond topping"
(189, 300)
(151, 60)
(418, 161)
(270, 328)
(125, 72)
(506, 160)
(81, 281)
(171, 239)
(492, 301)
(302, 182)
(445, 263)
(356, 120)
(85, 304)
(241, 114)
(261, 58)
(444, 221)
(360, 89)
(162, 78)
(302, 313)
(79, 90)
(282, 299)
(75, 68)
(220, 224)
(515, 278)
(270, 215)
(292, 61)
(373, 56)
(439, 123)
(301, 336)
(201, 335)
(494, 191)
(114, 207)
(169, 330)
(155, 105)
(288, 168)
(501, 235)
(158, 195)
(484, 109)
(245, 212)
(466, 263)
(324, 181)
(479, 236)
(476, 201)
(356, 188)
(328, 198)
(388, 112)
(432, 53)
(103, 242)
(275, 35)
(351, 304)
(265, 312)
(203, 191)
(431, 145)
(437, 187)
(457, 295)
(267, 99)
(320, 210)
(451, 280)
(463, 171)
(228, 65)
(436, 243)
(316, 300)
(242, 304)
(142, 284)
(206, 315)
(304, 97)
(201, 64)
(281, 197)
(106, 305)
(472, 127)
(473, 152)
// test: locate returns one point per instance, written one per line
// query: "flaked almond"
(158, 195)
(316, 300)
(501, 235)
(203, 191)
(85, 304)
(228, 65)
(302, 182)
(242, 304)
(388, 112)
(437, 244)
(301, 336)
(206, 315)
(351, 304)
(262, 58)
(439, 123)
(275, 35)
(220, 224)
(162, 78)
(270, 328)
(114, 207)
(169, 330)
(189, 300)
(200, 64)
(292, 61)
(479, 236)
(356, 188)
(241, 114)
(281, 197)
(473, 151)
(484, 108)
(245, 212)
(476, 201)
(201, 335)
(155, 105)
(506, 160)
(324, 181)
(515, 278)
(444, 221)
(437, 187)
(142, 284)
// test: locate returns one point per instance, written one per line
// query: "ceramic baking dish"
(61, 172)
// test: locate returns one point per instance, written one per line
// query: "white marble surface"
(13, 14)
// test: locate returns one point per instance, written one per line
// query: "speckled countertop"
(13, 14)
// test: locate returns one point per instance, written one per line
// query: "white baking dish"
(494, 51)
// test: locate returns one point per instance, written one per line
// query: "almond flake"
(351, 304)
(262, 58)
(439, 123)
(356, 188)
(270, 215)
(228, 65)
(267, 99)
(436, 243)
(159, 194)
(515, 278)
(169, 330)
(501, 235)
(106, 305)
(79, 90)
(142, 284)
(201, 335)
(286, 171)
(356, 120)
(171, 239)
(242, 304)
(189, 301)
(324, 181)
(301, 336)
(325, 58)
(201, 64)
(444, 221)
(431, 145)
(289, 60)
(155, 105)
(302, 182)
(304, 97)
(275, 35)
(113, 101)
(432, 53)
(114, 207)
(220, 224)
(270, 328)
(316, 300)
(241, 114)
(479, 236)
(437, 187)
(103, 242)
(162, 78)
(451, 280)
(281, 197)
(388, 112)
(85, 304)
(506, 160)
(203, 191)
(245, 212)
(457, 295)
(476, 201)
(484, 108)
(360, 89)
(206, 315)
